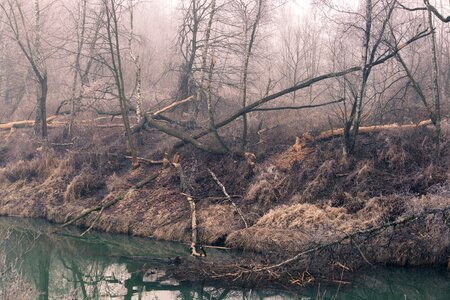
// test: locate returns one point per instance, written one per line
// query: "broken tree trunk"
(194, 238)
(186, 188)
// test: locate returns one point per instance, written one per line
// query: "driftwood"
(110, 203)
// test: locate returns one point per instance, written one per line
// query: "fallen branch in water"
(93, 223)
(224, 191)
(110, 203)
(350, 236)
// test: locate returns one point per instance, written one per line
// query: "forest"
(314, 135)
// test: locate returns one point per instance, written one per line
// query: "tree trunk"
(435, 78)
(247, 55)
(114, 47)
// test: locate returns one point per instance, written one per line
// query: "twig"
(360, 252)
(146, 160)
(224, 190)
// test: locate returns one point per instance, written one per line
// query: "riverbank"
(101, 265)
(292, 196)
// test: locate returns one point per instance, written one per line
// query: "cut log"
(23, 124)
(364, 129)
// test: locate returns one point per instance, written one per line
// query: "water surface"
(106, 266)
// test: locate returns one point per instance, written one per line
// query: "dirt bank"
(292, 197)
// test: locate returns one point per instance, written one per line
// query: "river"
(105, 266)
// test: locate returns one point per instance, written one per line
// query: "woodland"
(312, 134)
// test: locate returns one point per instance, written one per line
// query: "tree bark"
(435, 78)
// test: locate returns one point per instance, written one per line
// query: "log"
(194, 237)
(364, 129)
(23, 124)
(171, 106)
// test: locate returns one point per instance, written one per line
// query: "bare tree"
(189, 40)
(113, 42)
(22, 33)
(137, 63)
(371, 41)
(80, 29)
(250, 27)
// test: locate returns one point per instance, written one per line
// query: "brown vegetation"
(296, 198)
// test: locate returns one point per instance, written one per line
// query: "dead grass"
(293, 199)
(216, 222)
(37, 168)
(83, 185)
(293, 228)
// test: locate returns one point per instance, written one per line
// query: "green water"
(104, 266)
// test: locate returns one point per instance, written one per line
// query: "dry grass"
(37, 168)
(83, 185)
(294, 228)
(216, 222)
(293, 199)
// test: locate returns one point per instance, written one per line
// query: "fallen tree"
(23, 124)
(364, 129)
(307, 83)
(154, 119)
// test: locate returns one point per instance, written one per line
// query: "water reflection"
(103, 266)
